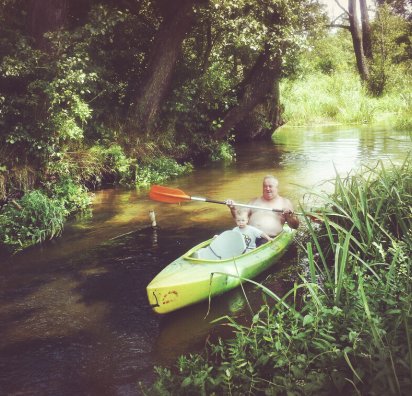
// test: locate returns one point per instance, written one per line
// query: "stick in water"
(152, 216)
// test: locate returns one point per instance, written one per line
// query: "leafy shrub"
(35, 218)
(40, 215)
(81, 166)
(119, 164)
(223, 151)
(94, 165)
(159, 170)
(74, 197)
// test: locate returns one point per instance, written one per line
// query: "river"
(74, 319)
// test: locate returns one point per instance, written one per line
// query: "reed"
(366, 241)
(327, 98)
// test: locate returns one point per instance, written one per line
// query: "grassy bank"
(340, 98)
(350, 330)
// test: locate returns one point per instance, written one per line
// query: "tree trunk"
(177, 21)
(264, 119)
(44, 16)
(357, 41)
(207, 47)
(256, 88)
(366, 30)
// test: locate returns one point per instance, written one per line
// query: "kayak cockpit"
(227, 245)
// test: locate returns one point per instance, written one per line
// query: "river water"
(74, 319)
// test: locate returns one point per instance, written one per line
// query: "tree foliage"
(376, 41)
(60, 75)
(392, 48)
(104, 72)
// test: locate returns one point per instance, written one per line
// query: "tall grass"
(35, 219)
(371, 212)
(341, 98)
(40, 214)
(351, 330)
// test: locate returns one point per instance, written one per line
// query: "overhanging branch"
(338, 25)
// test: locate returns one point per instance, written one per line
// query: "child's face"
(241, 220)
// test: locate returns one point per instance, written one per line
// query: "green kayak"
(187, 280)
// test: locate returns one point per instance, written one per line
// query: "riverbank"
(349, 330)
(41, 212)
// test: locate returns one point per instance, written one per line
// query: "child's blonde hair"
(242, 211)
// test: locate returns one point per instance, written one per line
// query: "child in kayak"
(249, 232)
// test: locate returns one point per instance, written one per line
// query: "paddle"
(174, 195)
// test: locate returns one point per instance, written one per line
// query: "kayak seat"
(205, 254)
(226, 245)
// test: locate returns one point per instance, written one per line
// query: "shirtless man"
(269, 222)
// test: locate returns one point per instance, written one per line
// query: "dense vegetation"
(346, 327)
(132, 92)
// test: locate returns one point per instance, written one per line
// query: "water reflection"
(316, 154)
(74, 317)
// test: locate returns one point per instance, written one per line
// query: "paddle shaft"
(238, 204)
(174, 195)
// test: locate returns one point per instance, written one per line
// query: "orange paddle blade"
(168, 195)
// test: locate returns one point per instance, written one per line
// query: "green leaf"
(308, 319)
(186, 382)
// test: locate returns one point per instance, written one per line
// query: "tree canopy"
(157, 77)
(139, 71)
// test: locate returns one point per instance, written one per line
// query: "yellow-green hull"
(187, 280)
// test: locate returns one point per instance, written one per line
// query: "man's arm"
(232, 206)
(266, 236)
(290, 217)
